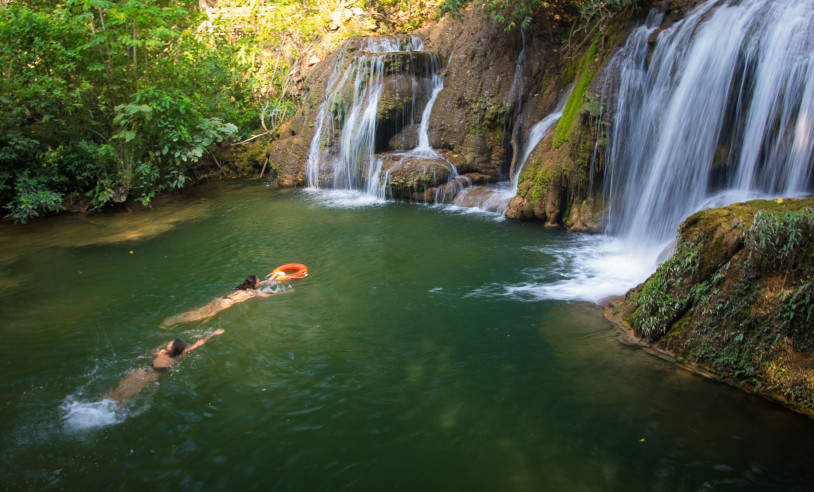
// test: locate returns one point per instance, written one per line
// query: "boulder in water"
(405, 174)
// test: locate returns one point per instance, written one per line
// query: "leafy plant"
(161, 137)
(777, 239)
(32, 198)
(101, 97)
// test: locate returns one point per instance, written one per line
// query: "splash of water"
(82, 415)
(587, 268)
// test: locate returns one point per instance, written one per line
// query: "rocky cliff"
(497, 84)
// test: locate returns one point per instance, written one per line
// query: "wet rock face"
(405, 139)
(496, 86)
(472, 113)
(404, 174)
(399, 112)
(482, 197)
(287, 154)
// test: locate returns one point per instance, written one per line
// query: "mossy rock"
(737, 298)
(404, 174)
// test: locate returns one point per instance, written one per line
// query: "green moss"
(251, 159)
(574, 103)
(488, 115)
(542, 180)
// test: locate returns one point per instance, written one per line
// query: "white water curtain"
(723, 111)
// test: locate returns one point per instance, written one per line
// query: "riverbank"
(734, 301)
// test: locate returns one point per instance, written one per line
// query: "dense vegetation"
(108, 100)
(104, 101)
(520, 13)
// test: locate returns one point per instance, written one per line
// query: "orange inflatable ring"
(299, 271)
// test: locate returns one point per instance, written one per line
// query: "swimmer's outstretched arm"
(203, 340)
(198, 343)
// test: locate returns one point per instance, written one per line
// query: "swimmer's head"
(251, 282)
(176, 347)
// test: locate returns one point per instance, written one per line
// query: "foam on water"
(276, 287)
(587, 268)
(457, 209)
(86, 415)
(344, 198)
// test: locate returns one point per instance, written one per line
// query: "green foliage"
(100, 97)
(600, 8)
(797, 308)
(665, 295)
(32, 198)
(161, 136)
(778, 240)
(747, 316)
(775, 243)
(509, 12)
(520, 13)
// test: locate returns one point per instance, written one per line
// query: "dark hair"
(250, 283)
(178, 347)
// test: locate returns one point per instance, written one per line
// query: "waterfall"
(348, 129)
(495, 198)
(721, 111)
(537, 132)
(423, 148)
(333, 98)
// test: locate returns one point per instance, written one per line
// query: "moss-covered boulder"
(404, 175)
(736, 299)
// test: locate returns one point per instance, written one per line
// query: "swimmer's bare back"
(131, 385)
(214, 307)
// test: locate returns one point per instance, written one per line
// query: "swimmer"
(164, 358)
(243, 292)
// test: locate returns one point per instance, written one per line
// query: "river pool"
(406, 360)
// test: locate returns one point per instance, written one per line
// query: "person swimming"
(164, 358)
(243, 292)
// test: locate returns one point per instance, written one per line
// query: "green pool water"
(402, 362)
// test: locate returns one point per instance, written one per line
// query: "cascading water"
(537, 132)
(423, 148)
(496, 198)
(348, 126)
(713, 118)
(721, 110)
